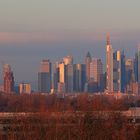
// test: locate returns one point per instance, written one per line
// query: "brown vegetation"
(51, 103)
(73, 118)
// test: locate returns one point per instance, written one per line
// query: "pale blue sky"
(31, 30)
(58, 15)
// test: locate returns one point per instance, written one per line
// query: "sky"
(31, 30)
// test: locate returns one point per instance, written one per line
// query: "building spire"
(88, 54)
(108, 42)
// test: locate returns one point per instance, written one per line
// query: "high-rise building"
(45, 77)
(68, 60)
(131, 76)
(102, 82)
(62, 77)
(25, 88)
(117, 71)
(96, 70)
(109, 66)
(129, 68)
(123, 84)
(136, 67)
(69, 78)
(55, 77)
(83, 67)
(8, 79)
(62, 72)
(139, 64)
(79, 77)
(87, 63)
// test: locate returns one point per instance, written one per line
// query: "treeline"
(52, 103)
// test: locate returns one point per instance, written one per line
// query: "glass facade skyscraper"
(44, 77)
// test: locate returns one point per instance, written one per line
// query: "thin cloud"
(56, 37)
(25, 37)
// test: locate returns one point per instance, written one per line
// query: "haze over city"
(33, 30)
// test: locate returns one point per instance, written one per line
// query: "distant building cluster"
(122, 75)
(9, 83)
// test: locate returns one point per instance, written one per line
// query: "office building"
(25, 88)
(117, 71)
(96, 70)
(62, 77)
(8, 79)
(79, 77)
(129, 71)
(62, 72)
(69, 78)
(68, 60)
(139, 63)
(55, 76)
(102, 82)
(87, 63)
(45, 77)
(93, 86)
(136, 67)
(123, 84)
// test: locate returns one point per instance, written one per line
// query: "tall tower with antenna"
(109, 65)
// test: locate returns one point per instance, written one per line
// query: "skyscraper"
(129, 66)
(117, 71)
(87, 63)
(62, 72)
(79, 77)
(139, 64)
(55, 76)
(69, 78)
(68, 60)
(123, 85)
(109, 66)
(132, 86)
(8, 79)
(44, 77)
(136, 67)
(62, 77)
(96, 70)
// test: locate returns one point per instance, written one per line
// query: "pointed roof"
(88, 54)
(108, 42)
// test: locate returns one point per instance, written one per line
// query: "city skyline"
(51, 29)
(119, 74)
(53, 61)
(70, 69)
